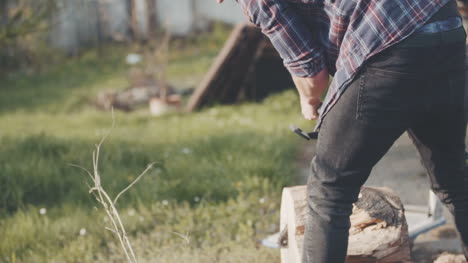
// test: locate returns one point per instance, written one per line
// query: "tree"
(22, 17)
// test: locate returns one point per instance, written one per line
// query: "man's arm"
(310, 91)
(301, 53)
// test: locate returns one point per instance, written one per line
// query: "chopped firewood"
(378, 233)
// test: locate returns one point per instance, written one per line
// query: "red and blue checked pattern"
(339, 35)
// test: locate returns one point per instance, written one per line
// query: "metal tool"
(308, 136)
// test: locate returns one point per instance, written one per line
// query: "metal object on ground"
(422, 219)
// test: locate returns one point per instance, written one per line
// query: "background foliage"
(23, 31)
(213, 195)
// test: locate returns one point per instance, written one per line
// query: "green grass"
(218, 176)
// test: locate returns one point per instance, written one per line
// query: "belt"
(441, 26)
(457, 35)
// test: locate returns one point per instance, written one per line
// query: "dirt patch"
(447, 232)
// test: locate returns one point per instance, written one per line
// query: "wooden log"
(379, 232)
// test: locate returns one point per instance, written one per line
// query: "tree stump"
(379, 232)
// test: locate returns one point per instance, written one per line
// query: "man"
(398, 65)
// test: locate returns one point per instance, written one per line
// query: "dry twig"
(107, 203)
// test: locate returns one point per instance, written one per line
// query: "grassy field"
(217, 180)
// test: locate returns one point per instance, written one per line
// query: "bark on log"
(379, 232)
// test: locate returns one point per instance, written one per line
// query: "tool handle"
(308, 136)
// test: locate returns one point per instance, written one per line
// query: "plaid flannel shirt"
(339, 35)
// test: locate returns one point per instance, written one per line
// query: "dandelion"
(133, 59)
(186, 151)
(157, 171)
(196, 199)
(82, 231)
(131, 212)
(42, 211)
(262, 200)
(165, 202)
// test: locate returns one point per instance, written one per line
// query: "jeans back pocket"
(388, 98)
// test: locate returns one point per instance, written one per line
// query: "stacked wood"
(129, 99)
(158, 106)
(247, 68)
(379, 232)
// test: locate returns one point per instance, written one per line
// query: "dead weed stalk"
(106, 201)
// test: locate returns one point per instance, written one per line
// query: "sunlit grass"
(217, 181)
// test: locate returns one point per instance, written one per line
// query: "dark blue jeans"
(418, 89)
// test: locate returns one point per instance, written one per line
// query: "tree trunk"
(132, 19)
(378, 233)
(3, 12)
(152, 18)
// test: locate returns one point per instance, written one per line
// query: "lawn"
(214, 191)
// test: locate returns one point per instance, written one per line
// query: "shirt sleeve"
(302, 55)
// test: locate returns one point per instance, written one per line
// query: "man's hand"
(310, 90)
(309, 108)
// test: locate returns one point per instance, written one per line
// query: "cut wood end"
(379, 232)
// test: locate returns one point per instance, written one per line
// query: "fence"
(82, 22)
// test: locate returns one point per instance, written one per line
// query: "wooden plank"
(229, 70)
